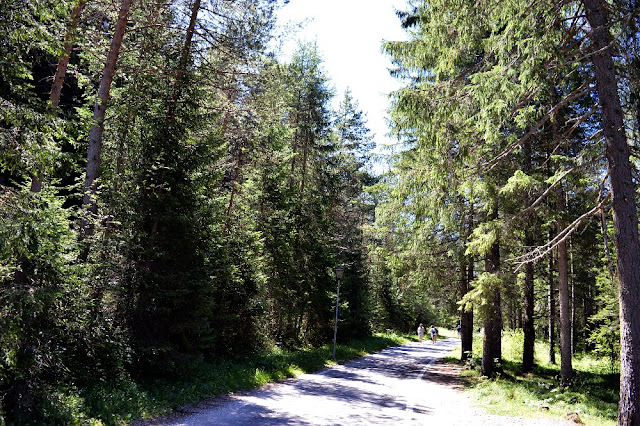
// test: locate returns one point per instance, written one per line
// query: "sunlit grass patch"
(593, 394)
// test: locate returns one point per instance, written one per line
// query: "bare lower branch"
(539, 252)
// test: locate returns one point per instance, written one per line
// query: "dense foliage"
(197, 214)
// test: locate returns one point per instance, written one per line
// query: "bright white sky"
(349, 35)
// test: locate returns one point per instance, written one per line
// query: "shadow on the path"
(339, 384)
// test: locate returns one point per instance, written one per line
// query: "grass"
(593, 394)
(120, 402)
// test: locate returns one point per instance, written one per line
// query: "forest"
(172, 190)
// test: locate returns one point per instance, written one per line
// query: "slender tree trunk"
(528, 346)
(552, 311)
(492, 344)
(63, 62)
(625, 218)
(99, 111)
(511, 314)
(520, 319)
(563, 293)
(573, 299)
(56, 87)
(185, 54)
(132, 114)
(466, 316)
(528, 326)
(566, 371)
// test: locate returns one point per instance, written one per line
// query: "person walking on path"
(434, 333)
(421, 332)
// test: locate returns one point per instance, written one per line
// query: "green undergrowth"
(593, 394)
(122, 401)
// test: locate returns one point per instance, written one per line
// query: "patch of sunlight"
(293, 370)
(261, 377)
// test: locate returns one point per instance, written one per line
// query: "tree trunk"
(625, 217)
(466, 316)
(528, 328)
(572, 300)
(492, 344)
(605, 237)
(552, 312)
(511, 314)
(58, 80)
(563, 293)
(63, 62)
(182, 66)
(563, 273)
(178, 85)
(99, 111)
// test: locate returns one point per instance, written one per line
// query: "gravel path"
(405, 385)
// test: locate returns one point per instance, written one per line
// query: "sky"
(349, 34)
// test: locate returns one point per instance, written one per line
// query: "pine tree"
(350, 168)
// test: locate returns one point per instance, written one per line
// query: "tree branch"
(539, 252)
(582, 90)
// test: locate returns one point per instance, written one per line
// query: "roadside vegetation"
(593, 394)
(120, 402)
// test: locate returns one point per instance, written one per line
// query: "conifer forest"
(173, 190)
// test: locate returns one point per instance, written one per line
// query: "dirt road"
(398, 386)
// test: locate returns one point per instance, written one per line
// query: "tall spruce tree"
(350, 173)
(311, 147)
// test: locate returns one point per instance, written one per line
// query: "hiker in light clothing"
(434, 333)
(421, 332)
